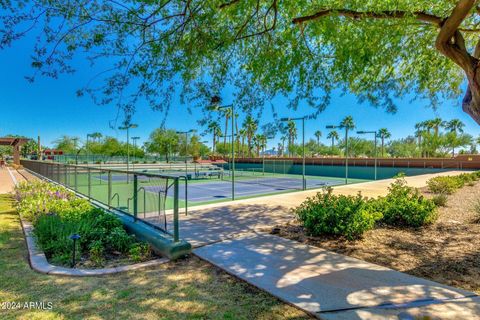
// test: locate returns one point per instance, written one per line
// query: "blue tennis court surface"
(221, 190)
(189, 175)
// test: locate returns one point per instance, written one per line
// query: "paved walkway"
(6, 182)
(324, 284)
(216, 222)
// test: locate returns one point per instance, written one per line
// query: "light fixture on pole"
(127, 127)
(216, 107)
(304, 181)
(346, 147)
(375, 134)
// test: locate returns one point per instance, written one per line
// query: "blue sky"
(50, 108)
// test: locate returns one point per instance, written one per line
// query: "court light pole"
(304, 181)
(375, 134)
(87, 149)
(134, 151)
(127, 127)
(186, 145)
(346, 147)
(216, 107)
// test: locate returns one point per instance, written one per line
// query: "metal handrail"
(144, 200)
(186, 193)
(118, 199)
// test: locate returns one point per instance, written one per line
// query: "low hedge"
(405, 206)
(351, 217)
(337, 215)
(56, 214)
(450, 184)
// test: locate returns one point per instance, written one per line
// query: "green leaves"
(152, 51)
(347, 216)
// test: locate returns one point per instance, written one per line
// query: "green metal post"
(233, 152)
(75, 179)
(303, 157)
(109, 189)
(346, 154)
(176, 237)
(376, 156)
(135, 197)
(89, 183)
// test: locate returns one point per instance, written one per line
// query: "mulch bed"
(447, 251)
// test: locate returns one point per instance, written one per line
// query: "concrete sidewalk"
(216, 222)
(6, 181)
(329, 285)
(324, 284)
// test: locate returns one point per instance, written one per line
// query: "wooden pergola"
(16, 144)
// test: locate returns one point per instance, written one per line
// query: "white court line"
(12, 176)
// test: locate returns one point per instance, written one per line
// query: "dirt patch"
(447, 251)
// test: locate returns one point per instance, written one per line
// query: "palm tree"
(242, 133)
(250, 126)
(260, 141)
(236, 131)
(348, 123)
(318, 135)
(257, 143)
(215, 129)
(454, 125)
(283, 138)
(228, 114)
(383, 134)
(292, 134)
(419, 129)
(280, 149)
(435, 124)
(334, 136)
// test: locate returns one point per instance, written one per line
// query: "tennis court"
(222, 190)
(206, 183)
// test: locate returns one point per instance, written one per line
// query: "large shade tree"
(375, 49)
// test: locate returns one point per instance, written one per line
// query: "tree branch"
(450, 41)
(421, 16)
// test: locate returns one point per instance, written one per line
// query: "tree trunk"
(450, 43)
(214, 139)
(383, 143)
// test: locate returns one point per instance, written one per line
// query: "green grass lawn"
(185, 289)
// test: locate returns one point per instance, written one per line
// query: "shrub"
(337, 215)
(119, 240)
(57, 214)
(405, 206)
(139, 252)
(53, 236)
(440, 200)
(96, 252)
(450, 184)
(445, 184)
